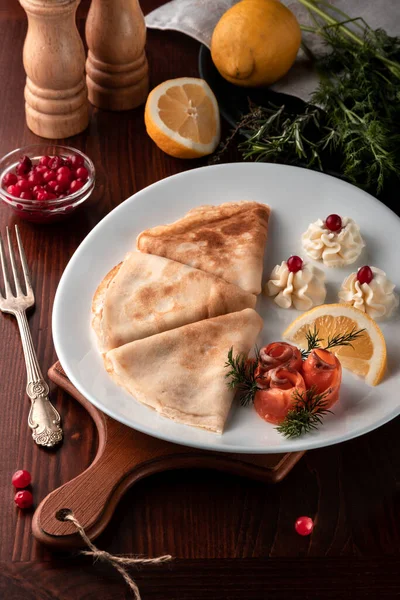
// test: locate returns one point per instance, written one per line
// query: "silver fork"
(43, 418)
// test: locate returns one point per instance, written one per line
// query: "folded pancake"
(226, 240)
(181, 373)
(149, 294)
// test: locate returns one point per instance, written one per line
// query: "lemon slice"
(182, 117)
(367, 355)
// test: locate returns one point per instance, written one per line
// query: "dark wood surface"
(232, 538)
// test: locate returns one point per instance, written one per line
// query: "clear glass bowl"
(47, 211)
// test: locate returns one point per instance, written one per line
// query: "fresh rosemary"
(354, 114)
(306, 414)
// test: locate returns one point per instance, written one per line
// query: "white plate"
(297, 197)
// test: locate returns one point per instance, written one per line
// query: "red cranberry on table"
(23, 499)
(333, 223)
(304, 525)
(21, 478)
(365, 274)
(294, 264)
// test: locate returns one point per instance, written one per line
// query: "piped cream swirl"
(303, 289)
(334, 248)
(376, 298)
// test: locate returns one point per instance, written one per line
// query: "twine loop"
(118, 562)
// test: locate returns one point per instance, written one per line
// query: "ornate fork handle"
(43, 418)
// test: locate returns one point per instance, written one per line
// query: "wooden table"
(232, 538)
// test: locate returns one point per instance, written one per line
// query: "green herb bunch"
(354, 113)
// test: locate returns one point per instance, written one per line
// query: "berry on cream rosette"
(298, 284)
(371, 291)
(336, 241)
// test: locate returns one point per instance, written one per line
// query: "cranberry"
(35, 179)
(63, 179)
(365, 274)
(75, 186)
(294, 264)
(59, 189)
(23, 499)
(51, 196)
(76, 161)
(44, 160)
(38, 189)
(42, 196)
(304, 525)
(41, 168)
(21, 478)
(55, 163)
(333, 223)
(49, 176)
(24, 165)
(51, 186)
(64, 171)
(82, 173)
(24, 185)
(14, 190)
(9, 179)
(26, 195)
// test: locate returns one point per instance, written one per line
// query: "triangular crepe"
(181, 373)
(149, 294)
(226, 240)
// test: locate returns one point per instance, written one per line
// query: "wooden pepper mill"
(116, 67)
(56, 102)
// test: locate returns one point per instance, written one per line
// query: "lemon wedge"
(367, 354)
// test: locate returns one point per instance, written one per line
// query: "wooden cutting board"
(123, 457)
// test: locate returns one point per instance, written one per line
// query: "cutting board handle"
(123, 457)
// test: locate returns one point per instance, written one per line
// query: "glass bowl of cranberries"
(44, 183)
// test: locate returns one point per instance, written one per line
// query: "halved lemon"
(182, 117)
(367, 354)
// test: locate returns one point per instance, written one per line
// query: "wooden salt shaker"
(116, 67)
(56, 103)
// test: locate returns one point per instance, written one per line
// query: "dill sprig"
(313, 341)
(306, 414)
(340, 339)
(343, 339)
(241, 376)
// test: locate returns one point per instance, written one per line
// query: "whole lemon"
(255, 42)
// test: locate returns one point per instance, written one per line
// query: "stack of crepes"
(167, 316)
